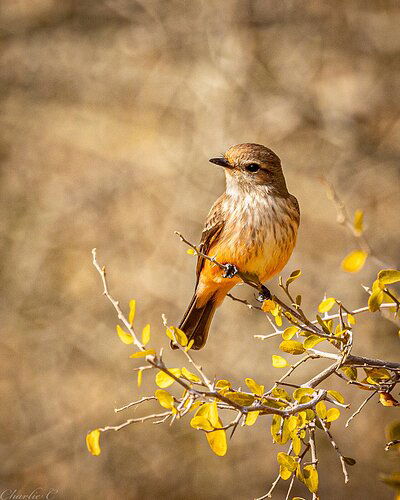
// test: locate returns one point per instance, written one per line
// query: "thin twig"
(360, 408)
(336, 448)
(134, 403)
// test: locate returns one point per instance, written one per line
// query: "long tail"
(197, 320)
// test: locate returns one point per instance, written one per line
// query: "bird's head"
(249, 165)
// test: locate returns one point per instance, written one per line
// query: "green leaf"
(146, 335)
(132, 311)
(125, 337)
(354, 261)
(292, 347)
(279, 362)
(388, 276)
(326, 305)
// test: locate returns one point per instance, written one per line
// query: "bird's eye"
(252, 167)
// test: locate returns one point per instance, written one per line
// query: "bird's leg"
(230, 271)
(264, 294)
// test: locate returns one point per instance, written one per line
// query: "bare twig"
(360, 408)
(336, 448)
(134, 403)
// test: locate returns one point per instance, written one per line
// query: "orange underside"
(212, 284)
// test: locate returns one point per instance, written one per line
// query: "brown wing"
(212, 229)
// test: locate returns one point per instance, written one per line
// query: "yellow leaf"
(284, 473)
(286, 461)
(146, 335)
(190, 376)
(358, 222)
(389, 276)
(312, 341)
(240, 398)
(165, 399)
(290, 332)
(387, 399)
(139, 378)
(132, 310)
(268, 305)
(351, 319)
(279, 429)
(279, 362)
(310, 475)
(125, 337)
(291, 347)
(375, 300)
(223, 384)
(251, 417)
(336, 395)
(320, 409)
(326, 305)
(189, 346)
(177, 335)
(190, 251)
(296, 442)
(142, 354)
(332, 414)
(213, 414)
(200, 422)
(354, 261)
(350, 372)
(293, 276)
(217, 441)
(299, 393)
(93, 442)
(163, 380)
(255, 388)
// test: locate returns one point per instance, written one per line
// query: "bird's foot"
(230, 271)
(264, 294)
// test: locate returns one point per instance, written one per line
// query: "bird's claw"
(230, 271)
(264, 294)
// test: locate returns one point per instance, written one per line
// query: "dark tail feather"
(196, 322)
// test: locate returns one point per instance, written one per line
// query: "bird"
(252, 227)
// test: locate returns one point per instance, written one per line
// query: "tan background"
(110, 110)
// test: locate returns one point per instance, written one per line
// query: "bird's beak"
(222, 162)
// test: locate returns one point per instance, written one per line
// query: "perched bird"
(252, 226)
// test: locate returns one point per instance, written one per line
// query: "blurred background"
(109, 112)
